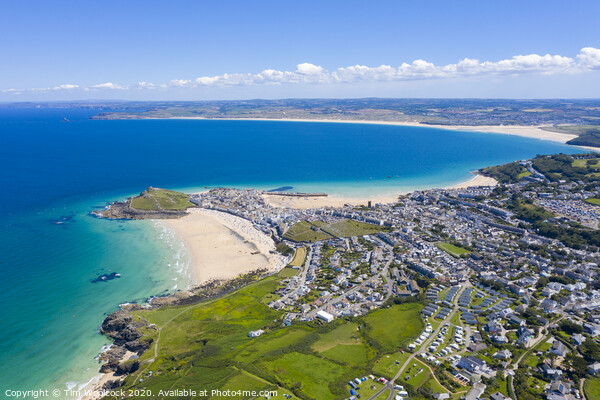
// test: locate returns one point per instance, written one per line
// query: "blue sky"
(272, 49)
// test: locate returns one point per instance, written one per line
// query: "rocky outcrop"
(125, 330)
(125, 210)
(127, 367)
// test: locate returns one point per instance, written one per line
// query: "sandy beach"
(303, 203)
(477, 180)
(223, 246)
(529, 131)
(317, 202)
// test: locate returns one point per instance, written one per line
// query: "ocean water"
(54, 173)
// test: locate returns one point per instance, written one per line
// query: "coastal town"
(502, 280)
(504, 303)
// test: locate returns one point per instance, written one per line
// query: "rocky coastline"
(125, 210)
(127, 331)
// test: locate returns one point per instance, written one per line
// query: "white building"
(325, 316)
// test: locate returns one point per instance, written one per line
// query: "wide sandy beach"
(303, 203)
(529, 131)
(223, 246)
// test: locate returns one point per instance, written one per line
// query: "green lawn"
(368, 389)
(309, 375)
(416, 378)
(396, 326)
(302, 232)
(582, 163)
(432, 385)
(161, 199)
(305, 231)
(343, 345)
(349, 228)
(593, 201)
(346, 334)
(591, 388)
(451, 249)
(287, 272)
(263, 345)
(390, 364)
(523, 174)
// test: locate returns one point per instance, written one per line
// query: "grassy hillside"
(206, 346)
(588, 135)
(161, 199)
(314, 231)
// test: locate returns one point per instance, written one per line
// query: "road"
(390, 385)
(302, 279)
(540, 337)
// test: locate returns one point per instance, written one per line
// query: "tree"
(590, 350)
(570, 327)
(577, 364)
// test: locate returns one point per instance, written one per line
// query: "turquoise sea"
(54, 173)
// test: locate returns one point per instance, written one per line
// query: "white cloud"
(589, 57)
(309, 69)
(180, 82)
(66, 86)
(306, 73)
(108, 85)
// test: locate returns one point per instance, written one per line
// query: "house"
(498, 396)
(254, 334)
(493, 327)
(472, 364)
(550, 372)
(503, 354)
(558, 390)
(524, 336)
(476, 392)
(578, 339)
(325, 316)
(594, 368)
(590, 329)
(558, 348)
(548, 305)
(514, 320)
(499, 339)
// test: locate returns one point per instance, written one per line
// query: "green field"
(299, 257)
(390, 364)
(591, 388)
(349, 228)
(344, 345)
(416, 378)
(391, 328)
(309, 375)
(287, 272)
(523, 174)
(206, 345)
(314, 231)
(593, 201)
(161, 199)
(451, 249)
(303, 231)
